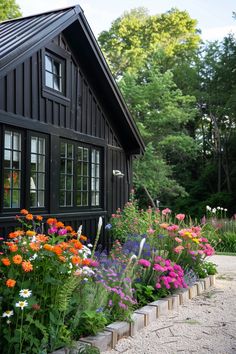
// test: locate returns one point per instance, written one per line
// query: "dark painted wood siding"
(23, 96)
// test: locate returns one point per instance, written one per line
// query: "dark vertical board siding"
(84, 108)
(56, 110)
(78, 102)
(89, 113)
(73, 96)
(2, 94)
(93, 117)
(49, 118)
(10, 92)
(27, 90)
(35, 86)
(19, 90)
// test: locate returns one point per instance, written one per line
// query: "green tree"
(135, 37)
(9, 9)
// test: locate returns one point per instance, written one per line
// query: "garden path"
(206, 324)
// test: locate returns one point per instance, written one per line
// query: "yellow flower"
(196, 240)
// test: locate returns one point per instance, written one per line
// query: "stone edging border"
(141, 318)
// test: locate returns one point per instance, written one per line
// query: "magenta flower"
(158, 285)
(62, 232)
(145, 263)
(52, 230)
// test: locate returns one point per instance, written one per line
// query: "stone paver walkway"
(206, 324)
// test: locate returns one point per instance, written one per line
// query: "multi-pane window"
(66, 174)
(53, 72)
(37, 172)
(82, 193)
(80, 177)
(12, 169)
(95, 177)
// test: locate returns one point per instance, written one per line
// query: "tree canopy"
(9, 9)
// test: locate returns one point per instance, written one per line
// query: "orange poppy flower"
(78, 245)
(57, 250)
(6, 261)
(64, 245)
(76, 260)
(83, 238)
(51, 221)
(69, 228)
(39, 217)
(13, 248)
(17, 259)
(29, 217)
(27, 266)
(15, 234)
(35, 246)
(73, 250)
(42, 238)
(86, 261)
(48, 247)
(59, 224)
(24, 211)
(10, 283)
(30, 233)
(62, 258)
(164, 225)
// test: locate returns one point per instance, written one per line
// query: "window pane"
(48, 63)
(7, 141)
(70, 150)
(49, 79)
(78, 199)
(37, 173)
(34, 145)
(69, 183)
(85, 184)
(41, 146)
(57, 83)
(56, 68)
(15, 198)
(97, 157)
(7, 198)
(62, 198)
(69, 167)
(85, 169)
(16, 179)
(85, 198)
(41, 201)
(41, 163)
(16, 141)
(93, 198)
(63, 149)
(62, 181)
(79, 183)
(97, 171)
(80, 153)
(69, 198)
(41, 181)
(93, 156)
(97, 199)
(12, 169)
(86, 155)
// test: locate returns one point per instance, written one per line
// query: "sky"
(214, 16)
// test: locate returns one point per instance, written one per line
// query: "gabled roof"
(20, 38)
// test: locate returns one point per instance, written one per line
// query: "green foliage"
(225, 242)
(135, 36)
(205, 268)
(87, 349)
(9, 9)
(89, 323)
(147, 293)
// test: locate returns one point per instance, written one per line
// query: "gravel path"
(206, 324)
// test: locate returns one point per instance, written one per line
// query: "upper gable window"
(54, 72)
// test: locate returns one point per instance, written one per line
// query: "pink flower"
(180, 217)
(177, 239)
(173, 228)
(158, 285)
(166, 211)
(145, 263)
(150, 231)
(158, 268)
(178, 249)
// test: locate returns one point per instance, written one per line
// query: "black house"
(66, 136)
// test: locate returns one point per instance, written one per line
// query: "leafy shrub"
(90, 323)
(206, 268)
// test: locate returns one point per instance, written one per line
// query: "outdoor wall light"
(118, 173)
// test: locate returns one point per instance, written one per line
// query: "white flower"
(85, 279)
(25, 293)
(99, 224)
(221, 208)
(225, 209)
(22, 304)
(208, 208)
(218, 208)
(213, 211)
(8, 313)
(90, 245)
(132, 257)
(141, 246)
(33, 257)
(8, 321)
(70, 265)
(79, 232)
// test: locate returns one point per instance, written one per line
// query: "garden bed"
(107, 339)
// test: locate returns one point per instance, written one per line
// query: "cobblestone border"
(141, 318)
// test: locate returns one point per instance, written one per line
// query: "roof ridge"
(77, 8)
